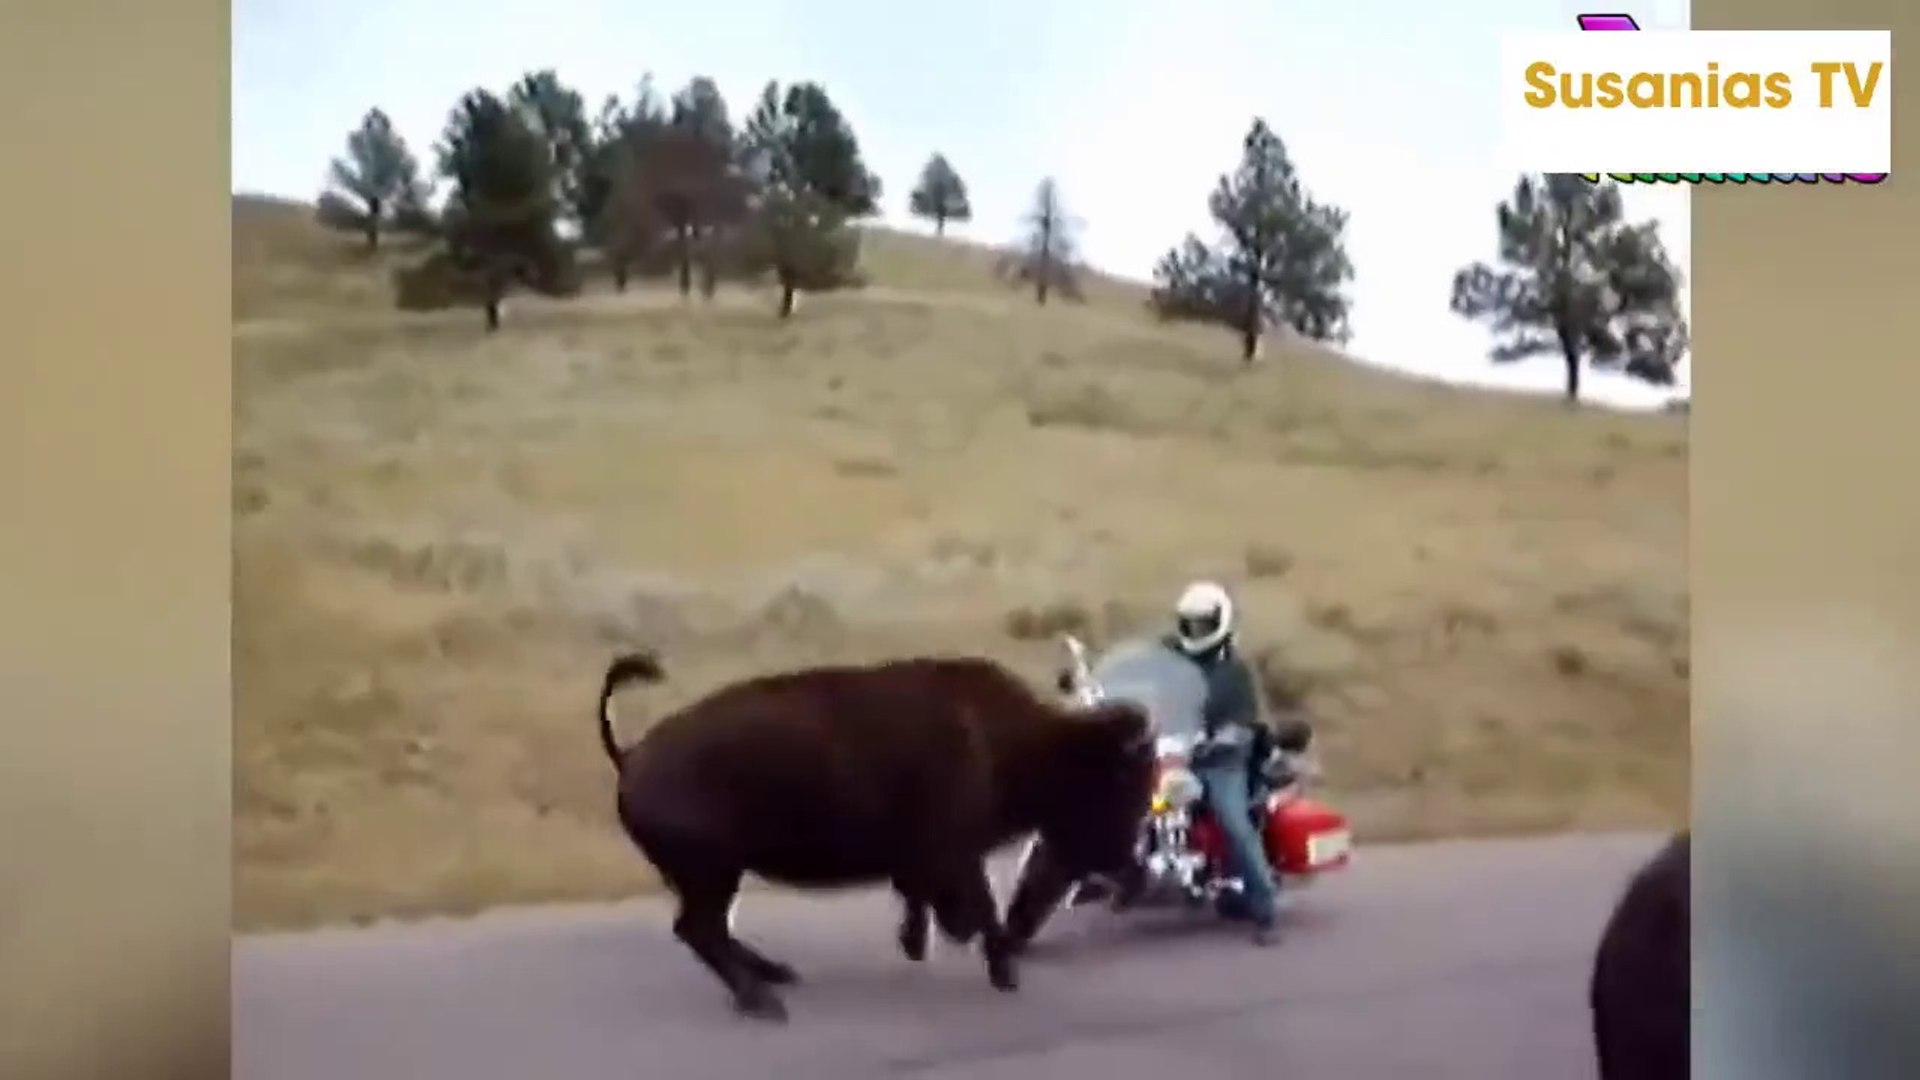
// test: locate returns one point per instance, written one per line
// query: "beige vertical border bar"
(1806, 616)
(115, 731)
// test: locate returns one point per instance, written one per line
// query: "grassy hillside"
(441, 535)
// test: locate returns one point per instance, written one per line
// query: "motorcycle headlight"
(1178, 788)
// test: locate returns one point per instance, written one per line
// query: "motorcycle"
(1181, 854)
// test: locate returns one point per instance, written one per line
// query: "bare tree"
(1048, 259)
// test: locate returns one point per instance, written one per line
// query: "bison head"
(1100, 786)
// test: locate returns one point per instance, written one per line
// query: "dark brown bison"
(1641, 992)
(907, 773)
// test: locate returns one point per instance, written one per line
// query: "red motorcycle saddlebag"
(1306, 837)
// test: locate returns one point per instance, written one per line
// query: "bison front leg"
(918, 907)
(1043, 883)
(965, 908)
(763, 966)
(916, 924)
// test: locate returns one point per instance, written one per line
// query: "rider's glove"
(1278, 770)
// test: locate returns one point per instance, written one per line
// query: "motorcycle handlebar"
(1282, 765)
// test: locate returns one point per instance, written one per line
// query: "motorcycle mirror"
(1076, 653)
(1077, 677)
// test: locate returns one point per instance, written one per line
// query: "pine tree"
(618, 216)
(941, 195)
(559, 115)
(1575, 279)
(818, 152)
(500, 224)
(802, 239)
(691, 174)
(806, 183)
(376, 186)
(1282, 258)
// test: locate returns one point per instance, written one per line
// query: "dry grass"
(441, 536)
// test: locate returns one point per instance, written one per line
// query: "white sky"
(1135, 106)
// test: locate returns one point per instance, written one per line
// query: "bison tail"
(633, 667)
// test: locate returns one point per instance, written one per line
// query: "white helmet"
(1203, 617)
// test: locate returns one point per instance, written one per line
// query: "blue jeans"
(1230, 797)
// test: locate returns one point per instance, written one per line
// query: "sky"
(1135, 107)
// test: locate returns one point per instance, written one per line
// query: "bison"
(1641, 988)
(906, 773)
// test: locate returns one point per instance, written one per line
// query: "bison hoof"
(913, 942)
(761, 1003)
(1002, 975)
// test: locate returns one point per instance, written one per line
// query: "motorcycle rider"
(1235, 741)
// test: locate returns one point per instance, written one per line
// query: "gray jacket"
(1231, 722)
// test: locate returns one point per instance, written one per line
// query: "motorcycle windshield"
(1169, 686)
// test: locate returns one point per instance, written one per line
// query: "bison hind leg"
(707, 885)
(702, 926)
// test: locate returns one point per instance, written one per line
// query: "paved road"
(1463, 961)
